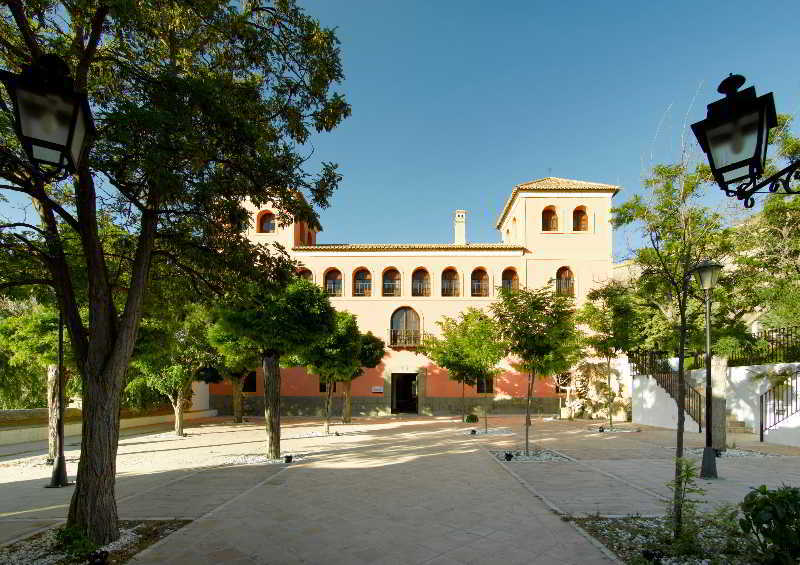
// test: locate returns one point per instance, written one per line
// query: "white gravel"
(606, 430)
(41, 551)
(253, 459)
(698, 451)
(491, 432)
(536, 456)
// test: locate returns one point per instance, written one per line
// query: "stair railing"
(779, 403)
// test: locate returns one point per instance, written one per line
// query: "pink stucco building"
(552, 231)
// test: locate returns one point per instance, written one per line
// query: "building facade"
(552, 231)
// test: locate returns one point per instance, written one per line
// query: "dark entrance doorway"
(404, 393)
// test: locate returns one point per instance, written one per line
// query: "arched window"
(266, 223)
(333, 282)
(549, 219)
(362, 283)
(305, 274)
(510, 279)
(391, 282)
(565, 282)
(480, 283)
(405, 331)
(450, 283)
(420, 283)
(514, 233)
(580, 219)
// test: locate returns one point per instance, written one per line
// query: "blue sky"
(456, 102)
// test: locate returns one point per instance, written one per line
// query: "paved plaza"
(411, 490)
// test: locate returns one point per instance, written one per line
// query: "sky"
(454, 103)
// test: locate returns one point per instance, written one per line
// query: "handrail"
(779, 403)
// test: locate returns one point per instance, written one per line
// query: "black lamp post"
(706, 274)
(53, 122)
(734, 136)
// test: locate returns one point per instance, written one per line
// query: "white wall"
(786, 432)
(653, 406)
(200, 396)
(744, 392)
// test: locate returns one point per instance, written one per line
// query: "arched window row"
(580, 219)
(478, 285)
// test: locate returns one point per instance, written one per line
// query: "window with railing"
(549, 219)
(362, 283)
(266, 223)
(565, 282)
(510, 279)
(391, 282)
(480, 283)
(405, 328)
(450, 283)
(580, 219)
(333, 283)
(420, 283)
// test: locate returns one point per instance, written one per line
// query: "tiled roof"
(409, 247)
(555, 184)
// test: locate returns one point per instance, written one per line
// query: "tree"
(609, 315)
(196, 112)
(538, 326)
(679, 233)
(372, 351)
(238, 356)
(280, 322)
(334, 358)
(171, 353)
(469, 348)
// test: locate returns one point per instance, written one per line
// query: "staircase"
(779, 403)
(656, 365)
(736, 426)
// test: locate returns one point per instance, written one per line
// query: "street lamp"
(52, 120)
(706, 274)
(54, 124)
(734, 136)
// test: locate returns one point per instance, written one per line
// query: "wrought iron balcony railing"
(451, 288)
(420, 288)
(362, 288)
(405, 338)
(510, 284)
(480, 288)
(565, 287)
(391, 288)
(333, 288)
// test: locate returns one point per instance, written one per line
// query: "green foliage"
(470, 346)
(471, 419)
(609, 315)
(274, 320)
(686, 495)
(73, 541)
(373, 349)
(337, 356)
(772, 518)
(538, 326)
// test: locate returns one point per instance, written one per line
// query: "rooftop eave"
(410, 247)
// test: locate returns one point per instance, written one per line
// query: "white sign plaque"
(377, 389)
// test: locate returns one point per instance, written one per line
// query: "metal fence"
(405, 338)
(779, 402)
(420, 288)
(780, 345)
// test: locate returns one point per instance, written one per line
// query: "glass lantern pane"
(46, 118)
(734, 142)
(78, 136)
(46, 155)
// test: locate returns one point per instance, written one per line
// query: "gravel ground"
(491, 432)
(536, 456)
(698, 451)
(253, 459)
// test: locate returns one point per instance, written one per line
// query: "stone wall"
(377, 406)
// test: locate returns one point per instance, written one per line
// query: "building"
(552, 231)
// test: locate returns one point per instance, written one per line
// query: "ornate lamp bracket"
(787, 180)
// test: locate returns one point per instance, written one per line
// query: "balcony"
(391, 288)
(510, 284)
(451, 288)
(480, 288)
(333, 288)
(404, 338)
(420, 288)
(362, 288)
(565, 287)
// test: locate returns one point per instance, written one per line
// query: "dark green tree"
(197, 113)
(470, 348)
(280, 322)
(238, 356)
(538, 327)
(372, 351)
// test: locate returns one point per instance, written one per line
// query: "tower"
(460, 227)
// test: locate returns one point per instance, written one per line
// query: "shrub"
(772, 519)
(74, 541)
(471, 418)
(689, 497)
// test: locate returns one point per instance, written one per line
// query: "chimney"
(460, 227)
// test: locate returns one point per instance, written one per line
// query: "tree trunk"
(177, 407)
(347, 408)
(610, 395)
(677, 495)
(328, 395)
(53, 402)
(272, 402)
(528, 414)
(236, 386)
(567, 400)
(463, 404)
(93, 507)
